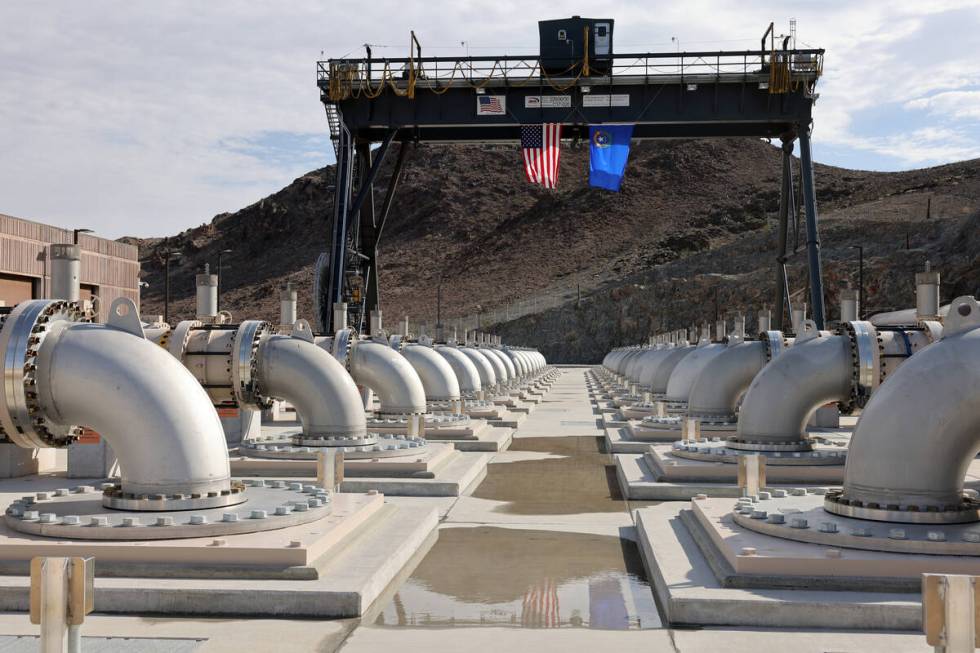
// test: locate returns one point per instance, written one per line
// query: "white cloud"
(145, 118)
(955, 104)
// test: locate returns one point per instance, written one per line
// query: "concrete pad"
(441, 471)
(745, 640)
(828, 560)
(256, 555)
(690, 593)
(457, 477)
(348, 583)
(422, 463)
(673, 467)
(641, 480)
(473, 510)
(496, 639)
(212, 635)
(619, 439)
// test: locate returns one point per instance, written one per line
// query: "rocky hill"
(690, 235)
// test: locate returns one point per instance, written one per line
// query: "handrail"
(527, 57)
(345, 78)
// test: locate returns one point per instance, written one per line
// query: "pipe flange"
(25, 328)
(397, 342)
(800, 515)
(868, 366)
(70, 513)
(750, 445)
(244, 364)
(716, 450)
(113, 497)
(439, 419)
(342, 344)
(968, 510)
(323, 440)
(385, 446)
(774, 343)
(176, 340)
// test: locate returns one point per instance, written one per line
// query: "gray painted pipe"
(649, 366)
(724, 379)
(921, 430)
(388, 373)
(635, 365)
(802, 378)
(487, 368)
(687, 371)
(315, 383)
(438, 378)
(154, 414)
(467, 373)
(629, 361)
(653, 353)
(659, 376)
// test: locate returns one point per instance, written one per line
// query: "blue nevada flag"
(609, 150)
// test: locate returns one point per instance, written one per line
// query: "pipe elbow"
(484, 366)
(509, 372)
(921, 430)
(724, 379)
(438, 378)
(467, 374)
(110, 380)
(315, 383)
(687, 371)
(660, 375)
(390, 375)
(802, 378)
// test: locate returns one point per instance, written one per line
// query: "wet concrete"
(578, 479)
(528, 578)
(545, 541)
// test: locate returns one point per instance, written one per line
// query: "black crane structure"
(375, 105)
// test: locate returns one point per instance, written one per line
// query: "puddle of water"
(526, 578)
(583, 480)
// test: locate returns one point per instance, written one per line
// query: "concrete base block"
(458, 478)
(478, 435)
(349, 579)
(619, 439)
(643, 477)
(240, 424)
(16, 461)
(92, 460)
(442, 472)
(690, 593)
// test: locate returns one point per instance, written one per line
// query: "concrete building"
(109, 269)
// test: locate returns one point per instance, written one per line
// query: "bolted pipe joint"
(247, 365)
(917, 436)
(62, 371)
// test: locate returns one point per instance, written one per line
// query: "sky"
(144, 118)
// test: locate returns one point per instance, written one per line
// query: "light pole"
(860, 249)
(167, 254)
(220, 254)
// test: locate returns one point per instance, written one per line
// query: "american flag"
(540, 607)
(490, 104)
(540, 145)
